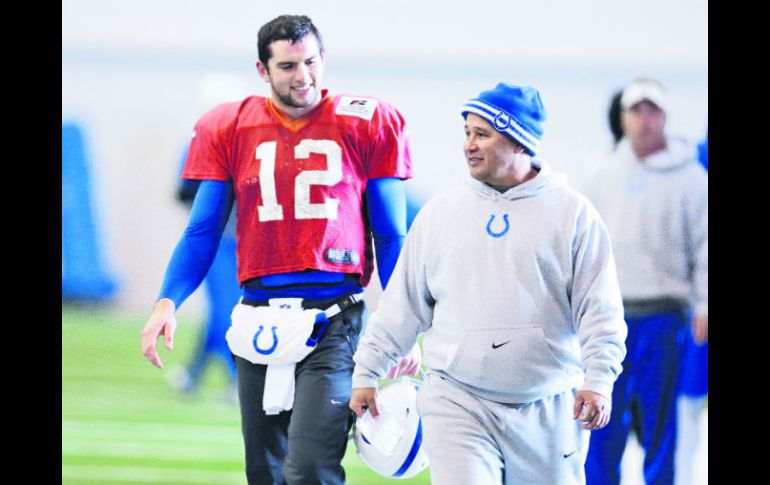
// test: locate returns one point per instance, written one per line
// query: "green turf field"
(122, 424)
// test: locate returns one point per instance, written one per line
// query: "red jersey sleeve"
(390, 155)
(209, 154)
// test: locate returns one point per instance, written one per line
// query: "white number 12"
(271, 210)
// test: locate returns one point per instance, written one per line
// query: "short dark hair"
(285, 27)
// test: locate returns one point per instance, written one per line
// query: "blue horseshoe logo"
(501, 233)
(502, 121)
(271, 349)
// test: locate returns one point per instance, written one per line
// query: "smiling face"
(294, 72)
(492, 157)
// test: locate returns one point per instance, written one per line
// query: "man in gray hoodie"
(511, 280)
(653, 195)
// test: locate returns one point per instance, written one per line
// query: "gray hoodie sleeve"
(597, 307)
(698, 241)
(404, 311)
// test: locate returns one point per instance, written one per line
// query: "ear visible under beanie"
(515, 111)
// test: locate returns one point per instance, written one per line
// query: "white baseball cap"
(644, 90)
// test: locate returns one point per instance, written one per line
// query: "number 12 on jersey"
(271, 210)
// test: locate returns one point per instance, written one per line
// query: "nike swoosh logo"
(496, 346)
(334, 401)
(567, 455)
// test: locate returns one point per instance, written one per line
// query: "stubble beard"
(287, 100)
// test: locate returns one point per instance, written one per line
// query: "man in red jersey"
(316, 177)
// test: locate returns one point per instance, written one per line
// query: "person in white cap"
(512, 281)
(653, 195)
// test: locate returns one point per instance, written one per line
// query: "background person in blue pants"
(693, 387)
(653, 196)
(222, 292)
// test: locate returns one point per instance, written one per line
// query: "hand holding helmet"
(388, 437)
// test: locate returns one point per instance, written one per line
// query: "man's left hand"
(592, 408)
(700, 329)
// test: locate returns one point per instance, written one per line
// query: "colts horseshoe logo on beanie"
(515, 111)
(502, 121)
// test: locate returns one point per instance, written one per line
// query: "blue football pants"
(645, 395)
(223, 293)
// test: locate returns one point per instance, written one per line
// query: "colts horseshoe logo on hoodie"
(494, 233)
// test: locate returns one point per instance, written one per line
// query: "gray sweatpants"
(471, 440)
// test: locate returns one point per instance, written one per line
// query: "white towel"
(280, 331)
(271, 335)
(277, 336)
(279, 388)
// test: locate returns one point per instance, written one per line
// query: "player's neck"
(292, 112)
(296, 112)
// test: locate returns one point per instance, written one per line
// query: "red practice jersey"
(299, 184)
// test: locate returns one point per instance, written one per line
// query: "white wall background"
(132, 71)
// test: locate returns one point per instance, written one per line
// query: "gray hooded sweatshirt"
(515, 292)
(656, 211)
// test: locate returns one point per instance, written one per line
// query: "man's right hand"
(161, 322)
(361, 399)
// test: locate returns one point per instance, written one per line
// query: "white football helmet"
(391, 445)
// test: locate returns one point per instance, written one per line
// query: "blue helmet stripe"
(413, 452)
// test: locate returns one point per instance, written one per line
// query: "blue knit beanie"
(514, 111)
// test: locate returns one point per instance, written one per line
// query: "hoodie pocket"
(513, 359)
